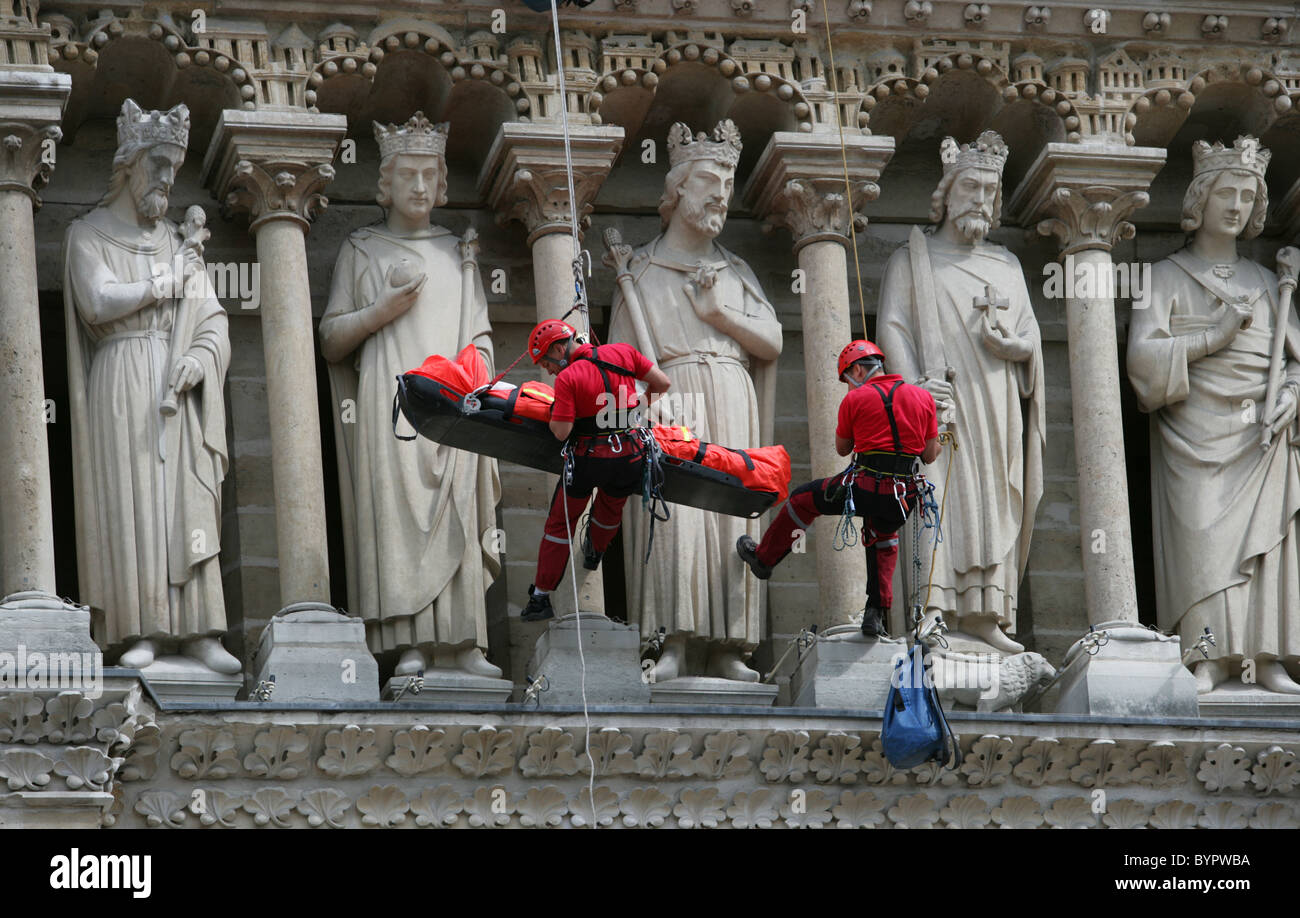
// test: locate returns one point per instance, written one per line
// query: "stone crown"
(989, 151)
(138, 127)
(419, 135)
(1245, 154)
(684, 147)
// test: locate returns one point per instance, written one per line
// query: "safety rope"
(951, 439)
(652, 482)
(844, 158)
(580, 303)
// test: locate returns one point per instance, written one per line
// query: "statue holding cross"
(955, 318)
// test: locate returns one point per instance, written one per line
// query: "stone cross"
(991, 300)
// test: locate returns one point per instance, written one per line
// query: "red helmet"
(856, 351)
(545, 334)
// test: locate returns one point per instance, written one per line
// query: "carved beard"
(152, 205)
(698, 216)
(973, 226)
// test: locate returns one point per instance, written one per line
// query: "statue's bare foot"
(472, 661)
(1274, 677)
(727, 664)
(989, 632)
(670, 660)
(209, 652)
(411, 662)
(1209, 675)
(139, 656)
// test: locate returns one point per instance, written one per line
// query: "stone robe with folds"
(997, 476)
(147, 487)
(694, 583)
(417, 516)
(1224, 510)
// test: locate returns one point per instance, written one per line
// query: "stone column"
(31, 108)
(525, 178)
(274, 166)
(1083, 194)
(798, 184)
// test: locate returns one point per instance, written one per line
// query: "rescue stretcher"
(482, 422)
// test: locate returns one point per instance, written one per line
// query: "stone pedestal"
(1236, 699)
(317, 655)
(1137, 673)
(448, 686)
(611, 653)
(177, 680)
(846, 670)
(43, 623)
(697, 690)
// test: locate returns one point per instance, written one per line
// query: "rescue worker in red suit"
(595, 394)
(888, 424)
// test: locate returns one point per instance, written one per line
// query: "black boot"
(873, 622)
(748, 551)
(538, 608)
(590, 557)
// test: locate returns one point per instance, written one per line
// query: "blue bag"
(914, 729)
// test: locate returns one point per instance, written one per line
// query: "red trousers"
(614, 477)
(881, 513)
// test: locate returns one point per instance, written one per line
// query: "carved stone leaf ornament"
(85, 766)
(933, 774)
(859, 810)
(270, 806)
(20, 718)
(24, 769)
(280, 752)
(68, 718)
(1276, 771)
(219, 808)
(753, 809)
(206, 752)
(1162, 764)
(1102, 763)
(1174, 814)
(786, 756)
(383, 806)
(969, 812)
(161, 808)
(877, 768)
(140, 760)
(838, 758)
(645, 808)
(325, 807)
(724, 756)
(438, 806)
(989, 761)
(914, 812)
(1125, 814)
(611, 749)
(1275, 816)
(807, 809)
(598, 811)
(1071, 813)
(550, 752)
(1225, 767)
(486, 751)
(700, 808)
(542, 807)
(1223, 815)
(489, 806)
(1018, 813)
(666, 754)
(1044, 761)
(348, 752)
(417, 751)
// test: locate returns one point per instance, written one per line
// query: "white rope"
(582, 300)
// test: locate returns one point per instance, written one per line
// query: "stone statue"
(417, 515)
(1202, 343)
(698, 312)
(148, 349)
(955, 316)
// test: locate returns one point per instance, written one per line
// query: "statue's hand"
(1283, 412)
(469, 247)
(618, 257)
(943, 393)
(187, 374)
(1002, 343)
(705, 276)
(1231, 318)
(701, 290)
(1288, 261)
(394, 301)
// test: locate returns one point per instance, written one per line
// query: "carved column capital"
(799, 184)
(273, 166)
(1085, 193)
(31, 107)
(525, 176)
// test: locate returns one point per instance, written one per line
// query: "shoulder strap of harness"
(887, 398)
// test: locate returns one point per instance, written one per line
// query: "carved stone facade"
(1099, 109)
